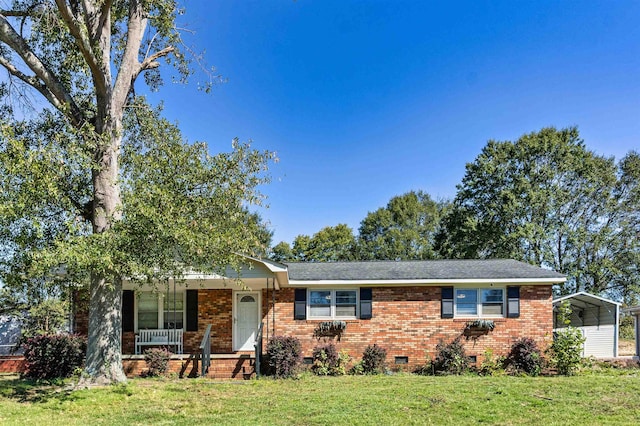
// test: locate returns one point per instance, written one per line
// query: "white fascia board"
(531, 281)
(587, 295)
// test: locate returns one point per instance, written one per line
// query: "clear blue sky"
(365, 100)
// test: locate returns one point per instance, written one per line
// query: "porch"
(208, 323)
(232, 366)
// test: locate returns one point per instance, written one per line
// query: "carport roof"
(583, 299)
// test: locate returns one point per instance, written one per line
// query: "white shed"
(597, 318)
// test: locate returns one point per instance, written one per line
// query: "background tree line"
(544, 199)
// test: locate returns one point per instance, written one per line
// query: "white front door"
(246, 320)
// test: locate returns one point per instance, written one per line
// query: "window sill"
(467, 319)
(331, 319)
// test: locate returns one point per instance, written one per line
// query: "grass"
(597, 398)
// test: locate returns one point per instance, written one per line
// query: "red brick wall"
(406, 322)
(215, 308)
(11, 364)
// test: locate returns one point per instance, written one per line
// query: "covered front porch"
(212, 324)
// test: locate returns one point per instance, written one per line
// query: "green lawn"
(400, 399)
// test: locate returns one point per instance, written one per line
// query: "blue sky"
(365, 100)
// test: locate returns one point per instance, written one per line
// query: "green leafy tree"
(282, 252)
(301, 248)
(332, 244)
(84, 187)
(547, 200)
(404, 229)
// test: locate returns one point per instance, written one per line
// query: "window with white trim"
(173, 310)
(333, 303)
(160, 310)
(479, 302)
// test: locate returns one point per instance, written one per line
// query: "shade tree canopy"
(548, 200)
(94, 181)
(404, 229)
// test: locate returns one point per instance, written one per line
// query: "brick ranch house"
(407, 307)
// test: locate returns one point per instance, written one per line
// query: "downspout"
(273, 308)
(637, 323)
(267, 311)
(616, 331)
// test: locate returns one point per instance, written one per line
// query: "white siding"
(599, 341)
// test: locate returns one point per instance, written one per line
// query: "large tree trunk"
(104, 345)
(104, 359)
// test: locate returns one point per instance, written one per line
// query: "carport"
(635, 312)
(598, 320)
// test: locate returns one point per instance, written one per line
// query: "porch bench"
(161, 337)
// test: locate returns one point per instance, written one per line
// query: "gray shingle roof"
(419, 269)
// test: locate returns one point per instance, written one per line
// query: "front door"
(246, 320)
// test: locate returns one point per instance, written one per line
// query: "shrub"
(283, 356)
(450, 358)
(627, 329)
(566, 349)
(357, 369)
(525, 356)
(373, 359)
(328, 362)
(157, 361)
(50, 356)
(491, 365)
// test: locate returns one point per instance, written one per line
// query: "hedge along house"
(407, 307)
(597, 318)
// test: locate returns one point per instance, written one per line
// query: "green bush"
(157, 361)
(525, 356)
(374, 359)
(566, 349)
(627, 329)
(491, 366)
(283, 356)
(328, 362)
(450, 358)
(51, 356)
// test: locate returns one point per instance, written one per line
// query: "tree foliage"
(94, 179)
(405, 229)
(548, 200)
(330, 244)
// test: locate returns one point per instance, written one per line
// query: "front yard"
(598, 398)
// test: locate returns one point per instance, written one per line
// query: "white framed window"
(479, 302)
(327, 304)
(160, 310)
(173, 310)
(148, 311)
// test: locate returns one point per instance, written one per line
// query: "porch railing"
(205, 352)
(258, 349)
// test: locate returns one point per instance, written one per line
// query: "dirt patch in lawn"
(626, 347)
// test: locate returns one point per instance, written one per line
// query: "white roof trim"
(403, 282)
(584, 293)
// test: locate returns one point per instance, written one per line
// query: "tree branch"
(130, 67)
(63, 100)
(84, 44)
(15, 13)
(150, 61)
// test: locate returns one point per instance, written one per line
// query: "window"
(147, 310)
(160, 310)
(479, 302)
(173, 312)
(333, 303)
